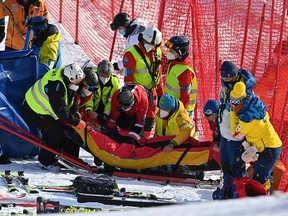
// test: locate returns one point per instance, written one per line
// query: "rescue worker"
(250, 119)
(46, 44)
(173, 119)
(129, 29)
(129, 107)
(50, 105)
(181, 79)
(231, 147)
(211, 110)
(99, 106)
(21, 10)
(142, 66)
(87, 88)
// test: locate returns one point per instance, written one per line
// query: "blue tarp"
(18, 72)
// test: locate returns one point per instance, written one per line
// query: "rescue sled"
(114, 148)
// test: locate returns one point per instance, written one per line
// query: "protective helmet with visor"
(180, 44)
(73, 75)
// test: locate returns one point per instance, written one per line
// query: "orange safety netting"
(250, 33)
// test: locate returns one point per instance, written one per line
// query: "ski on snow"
(117, 192)
(8, 179)
(64, 189)
(23, 182)
(165, 178)
(20, 179)
(123, 200)
(11, 196)
(44, 206)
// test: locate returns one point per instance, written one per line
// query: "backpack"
(98, 185)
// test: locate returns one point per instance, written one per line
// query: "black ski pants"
(52, 133)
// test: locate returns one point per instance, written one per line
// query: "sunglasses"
(235, 102)
(125, 106)
(208, 115)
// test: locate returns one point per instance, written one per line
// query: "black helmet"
(179, 44)
(38, 24)
(91, 79)
(121, 19)
(126, 97)
(228, 69)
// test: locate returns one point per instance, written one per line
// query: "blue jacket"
(253, 108)
(243, 76)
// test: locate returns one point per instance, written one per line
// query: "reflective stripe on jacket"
(141, 73)
(37, 98)
(172, 84)
(178, 124)
(105, 95)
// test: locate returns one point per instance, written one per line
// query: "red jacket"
(82, 100)
(184, 80)
(139, 108)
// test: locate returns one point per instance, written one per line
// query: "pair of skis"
(125, 200)
(119, 197)
(44, 206)
(18, 177)
(164, 178)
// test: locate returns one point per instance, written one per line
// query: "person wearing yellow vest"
(20, 10)
(142, 66)
(49, 105)
(173, 119)
(181, 79)
(250, 119)
(99, 106)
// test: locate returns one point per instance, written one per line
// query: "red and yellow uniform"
(136, 115)
(179, 124)
(181, 83)
(136, 72)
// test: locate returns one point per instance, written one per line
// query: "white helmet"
(73, 72)
(152, 35)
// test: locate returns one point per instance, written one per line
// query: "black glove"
(115, 66)
(35, 3)
(2, 33)
(102, 118)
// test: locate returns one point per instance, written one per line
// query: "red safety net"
(250, 33)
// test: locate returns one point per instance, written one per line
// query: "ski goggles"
(235, 102)
(208, 113)
(168, 44)
(227, 74)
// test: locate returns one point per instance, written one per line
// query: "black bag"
(99, 185)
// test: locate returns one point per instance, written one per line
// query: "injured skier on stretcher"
(119, 148)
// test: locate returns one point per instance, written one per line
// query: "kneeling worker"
(49, 105)
(173, 119)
